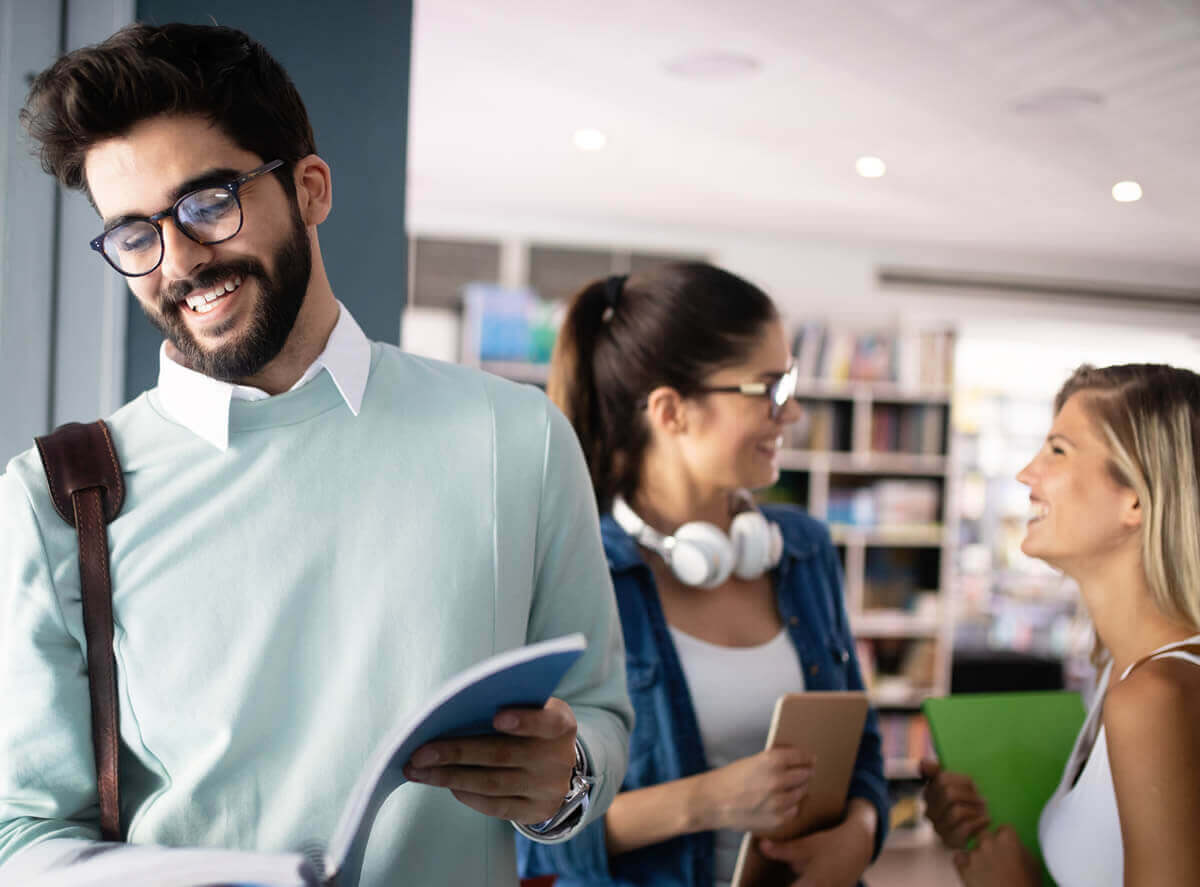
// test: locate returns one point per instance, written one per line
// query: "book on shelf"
(897, 670)
(892, 578)
(905, 736)
(910, 359)
(825, 427)
(463, 706)
(914, 428)
(887, 502)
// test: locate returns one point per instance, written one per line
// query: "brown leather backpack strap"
(88, 490)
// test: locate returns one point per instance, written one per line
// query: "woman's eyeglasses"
(778, 392)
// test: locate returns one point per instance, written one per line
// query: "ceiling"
(1002, 123)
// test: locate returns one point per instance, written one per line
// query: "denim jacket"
(666, 743)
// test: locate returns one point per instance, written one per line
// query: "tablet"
(830, 725)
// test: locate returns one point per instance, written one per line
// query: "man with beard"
(318, 530)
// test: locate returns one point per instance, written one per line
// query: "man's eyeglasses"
(778, 392)
(208, 215)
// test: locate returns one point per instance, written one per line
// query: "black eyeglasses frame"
(786, 381)
(233, 187)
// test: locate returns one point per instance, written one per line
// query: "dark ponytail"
(672, 325)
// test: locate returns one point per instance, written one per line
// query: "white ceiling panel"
(1003, 123)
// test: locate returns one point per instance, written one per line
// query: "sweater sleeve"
(574, 593)
(868, 781)
(47, 769)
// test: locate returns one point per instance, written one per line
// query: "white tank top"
(1079, 830)
(734, 690)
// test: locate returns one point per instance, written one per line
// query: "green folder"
(1014, 745)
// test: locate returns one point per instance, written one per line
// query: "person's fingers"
(962, 834)
(790, 779)
(476, 751)
(941, 803)
(553, 721)
(795, 853)
(929, 768)
(787, 804)
(961, 815)
(515, 808)
(790, 757)
(950, 788)
(489, 782)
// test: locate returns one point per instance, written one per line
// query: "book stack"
(905, 737)
(888, 502)
(918, 428)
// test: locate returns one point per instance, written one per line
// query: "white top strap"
(1187, 650)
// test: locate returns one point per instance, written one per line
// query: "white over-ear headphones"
(700, 554)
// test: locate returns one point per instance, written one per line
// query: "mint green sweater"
(279, 606)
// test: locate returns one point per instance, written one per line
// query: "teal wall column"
(350, 61)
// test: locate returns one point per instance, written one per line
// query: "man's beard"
(279, 301)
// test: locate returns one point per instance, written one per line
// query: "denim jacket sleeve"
(583, 859)
(868, 781)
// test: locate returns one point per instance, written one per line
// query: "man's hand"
(522, 775)
(953, 805)
(834, 857)
(1000, 860)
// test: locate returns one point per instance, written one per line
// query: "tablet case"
(830, 725)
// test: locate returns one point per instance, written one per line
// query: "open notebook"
(463, 706)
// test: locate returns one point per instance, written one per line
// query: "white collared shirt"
(201, 403)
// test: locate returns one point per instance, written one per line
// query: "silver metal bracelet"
(575, 804)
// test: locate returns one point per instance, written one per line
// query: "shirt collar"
(202, 404)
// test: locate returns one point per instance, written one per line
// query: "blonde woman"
(1115, 505)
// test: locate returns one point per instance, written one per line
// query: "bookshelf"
(1009, 602)
(874, 458)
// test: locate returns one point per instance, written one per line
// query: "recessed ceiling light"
(590, 140)
(1126, 192)
(870, 167)
(712, 65)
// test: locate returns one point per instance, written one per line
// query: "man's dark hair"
(103, 91)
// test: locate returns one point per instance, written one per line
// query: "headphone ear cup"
(751, 537)
(702, 555)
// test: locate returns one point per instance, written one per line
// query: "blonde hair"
(1150, 416)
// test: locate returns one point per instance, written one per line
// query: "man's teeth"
(1038, 510)
(201, 303)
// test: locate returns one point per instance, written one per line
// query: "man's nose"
(182, 256)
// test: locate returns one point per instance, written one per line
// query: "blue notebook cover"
(465, 706)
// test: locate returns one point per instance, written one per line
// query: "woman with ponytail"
(679, 383)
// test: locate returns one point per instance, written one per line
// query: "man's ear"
(665, 410)
(314, 189)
